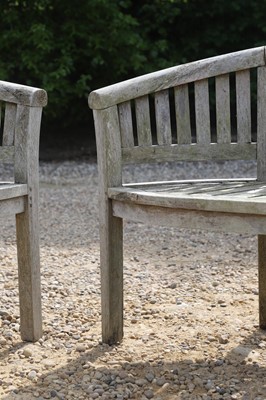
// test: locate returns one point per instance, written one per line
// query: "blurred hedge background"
(70, 48)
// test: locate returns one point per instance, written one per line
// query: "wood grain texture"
(126, 125)
(191, 219)
(193, 152)
(238, 197)
(163, 120)
(9, 124)
(21, 94)
(111, 230)
(12, 206)
(26, 171)
(7, 154)
(143, 121)
(178, 75)
(243, 106)
(183, 125)
(10, 190)
(223, 120)
(202, 108)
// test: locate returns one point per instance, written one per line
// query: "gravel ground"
(191, 302)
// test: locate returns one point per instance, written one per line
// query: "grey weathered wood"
(243, 106)
(143, 121)
(12, 206)
(21, 130)
(228, 197)
(162, 184)
(21, 94)
(171, 77)
(9, 124)
(126, 125)
(261, 125)
(10, 190)
(188, 219)
(202, 107)
(111, 234)
(26, 171)
(182, 110)
(232, 205)
(163, 121)
(223, 120)
(7, 154)
(193, 152)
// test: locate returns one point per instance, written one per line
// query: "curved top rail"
(21, 94)
(178, 75)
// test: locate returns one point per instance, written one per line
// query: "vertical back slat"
(162, 116)
(126, 125)
(223, 120)
(243, 106)
(143, 121)
(182, 110)
(261, 129)
(9, 124)
(202, 109)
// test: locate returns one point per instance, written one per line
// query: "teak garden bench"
(21, 110)
(168, 116)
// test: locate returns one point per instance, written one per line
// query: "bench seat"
(235, 196)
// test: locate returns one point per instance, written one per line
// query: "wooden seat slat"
(242, 201)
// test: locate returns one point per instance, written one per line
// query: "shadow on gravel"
(238, 375)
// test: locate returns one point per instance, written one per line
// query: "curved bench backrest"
(196, 111)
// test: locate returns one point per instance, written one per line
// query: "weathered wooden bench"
(21, 110)
(166, 116)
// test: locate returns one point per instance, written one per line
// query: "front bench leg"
(262, 280)
(27, 224)
(111, 248)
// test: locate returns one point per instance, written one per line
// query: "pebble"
(81, 347)
(149, 394)
(32, 375)
(27, 352)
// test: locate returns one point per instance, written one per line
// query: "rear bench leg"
(262, 280)
(111, 242)
(27, 224)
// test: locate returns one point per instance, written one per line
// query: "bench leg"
(111, 237)
(27, 224)
(262, 280)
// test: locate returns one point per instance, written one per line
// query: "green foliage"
(70, 48)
